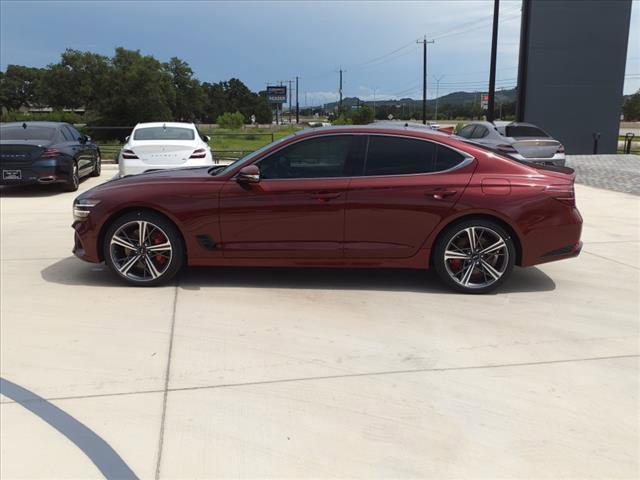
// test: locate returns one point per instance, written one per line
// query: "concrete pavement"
(317, 373)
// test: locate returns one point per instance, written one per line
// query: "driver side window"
(314, 158)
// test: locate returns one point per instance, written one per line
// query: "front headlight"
(82, 208)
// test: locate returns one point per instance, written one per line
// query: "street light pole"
(437, 93)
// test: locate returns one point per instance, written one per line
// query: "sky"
(262, 42)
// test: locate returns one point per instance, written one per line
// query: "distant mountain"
(455, 98)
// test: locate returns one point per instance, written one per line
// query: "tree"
(139, 90)
(189, 95)
(362, 116)
(18, 86)
(78, 80)
(230, 120)
(631, 107)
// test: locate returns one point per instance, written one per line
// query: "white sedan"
(160, 146)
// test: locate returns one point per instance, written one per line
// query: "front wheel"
(143, 248)
(474, 256)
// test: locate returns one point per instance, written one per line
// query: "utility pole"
(424, 77)
(297, 103)
(492, 68)
(340, 92)
(290, 81)
(374, 104)
(437, 93)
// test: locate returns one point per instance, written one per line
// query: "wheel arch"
(118, 213)
(511, 230)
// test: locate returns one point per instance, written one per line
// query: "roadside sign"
(277, 94)
(390, 117)
(484, 101)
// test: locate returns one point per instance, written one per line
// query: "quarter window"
(480, 132)
(467, 131)
(399, 156)
(447, 159)
(322, 157)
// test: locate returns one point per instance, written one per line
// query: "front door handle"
(325, 196)
(440, 193)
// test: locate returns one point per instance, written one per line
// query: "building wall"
(574, 65)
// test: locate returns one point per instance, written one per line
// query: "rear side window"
(163, 133)
(447, 159)
(520, 131)
(467, 131)
(399, 156)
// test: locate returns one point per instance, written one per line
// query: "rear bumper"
(554, 242)
(134, 167)
(55, 170)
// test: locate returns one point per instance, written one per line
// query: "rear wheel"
(474, 256)
(143, 248)
(73, 182)
(97, 168)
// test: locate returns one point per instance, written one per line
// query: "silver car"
(522, 141)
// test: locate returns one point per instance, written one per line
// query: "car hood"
(161, 177)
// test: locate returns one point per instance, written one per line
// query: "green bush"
(362, 116)
(342, 120)
(230, 120)
(55, 116)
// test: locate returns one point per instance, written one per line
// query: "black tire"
(480, 267)
(140, 272)
(97, 168)
(73, 182)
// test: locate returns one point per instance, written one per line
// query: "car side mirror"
(83, 139)
(126, 139)
(249, 174)
(206, 138)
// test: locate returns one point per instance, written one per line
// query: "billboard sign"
(277, 94)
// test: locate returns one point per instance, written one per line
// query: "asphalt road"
(317, 373)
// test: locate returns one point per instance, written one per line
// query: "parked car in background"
(46, 152)
(357, 196)
(159, 146)
(522, 141)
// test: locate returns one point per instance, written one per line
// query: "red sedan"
(338, 197)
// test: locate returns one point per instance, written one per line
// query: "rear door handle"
(325, 196)
(440, 193)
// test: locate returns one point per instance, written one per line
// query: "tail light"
(129, 154)
(506, 148)
(50, 153)
(560, 149)
(199, 153)
(564, 193)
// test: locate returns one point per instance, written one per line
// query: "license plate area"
(12, 174)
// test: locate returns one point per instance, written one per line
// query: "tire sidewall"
(450, 232)
(73, 182)
(177, 247)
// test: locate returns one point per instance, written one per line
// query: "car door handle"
(440, 193)
(325, 196)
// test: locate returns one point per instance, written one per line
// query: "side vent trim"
(206, 242)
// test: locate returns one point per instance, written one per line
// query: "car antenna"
(164, 126)
(24, 125)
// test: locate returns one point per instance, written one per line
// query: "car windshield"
(163, 133)
(248, 158)
(19, 132)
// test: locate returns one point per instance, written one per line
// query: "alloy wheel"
(75, 176)
(476, 257)
(140, 251)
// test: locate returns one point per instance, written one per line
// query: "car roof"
(480, 122)
(385, 128)
(34, 123)
(166, 124)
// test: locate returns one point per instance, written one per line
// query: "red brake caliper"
(156, 239)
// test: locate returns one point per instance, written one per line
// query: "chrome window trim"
(468, 158)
